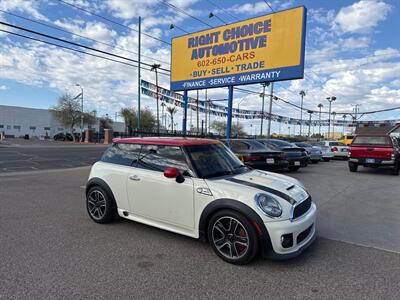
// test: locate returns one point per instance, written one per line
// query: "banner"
(208, 107)
(262, 49)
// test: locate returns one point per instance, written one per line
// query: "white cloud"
(27, 6)
(362, 16)
(3, 87)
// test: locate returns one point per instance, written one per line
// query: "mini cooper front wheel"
(100, 205)
(232, 237)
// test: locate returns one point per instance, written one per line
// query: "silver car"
(314, 152)
(327, 153)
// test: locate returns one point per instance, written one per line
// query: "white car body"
(338, 149)
(148, 197)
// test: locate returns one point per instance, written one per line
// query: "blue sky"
(352, 52)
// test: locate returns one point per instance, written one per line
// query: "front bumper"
(276, 230)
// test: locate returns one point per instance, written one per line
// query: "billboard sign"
(263, 49)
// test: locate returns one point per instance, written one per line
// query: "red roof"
(170, 141)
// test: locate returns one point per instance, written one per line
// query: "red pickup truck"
(375, 151)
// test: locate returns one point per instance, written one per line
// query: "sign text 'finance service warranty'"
(263, 49)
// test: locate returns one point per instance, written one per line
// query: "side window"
(122, 154)
(238, 146)
(158, 158)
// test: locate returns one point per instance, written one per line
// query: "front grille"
(302, 236)
(302, 208)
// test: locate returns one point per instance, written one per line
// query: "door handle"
(134, 178)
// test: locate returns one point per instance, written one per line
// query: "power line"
(112, 21)
(222, 9)
(269, 6)
(75, 44)
(75, 34)
(182, 12)
(76, 50)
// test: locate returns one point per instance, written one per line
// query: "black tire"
(326, 159)
(100, 205)
(396, 170)
(353, 167)
(220, 233)
(294, 169)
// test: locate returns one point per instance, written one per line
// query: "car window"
(336, 144)
(270, 146)
(161, 157)
(122, 154)
(254, 145)
(214, 160)
(371, 140)
(238, 145)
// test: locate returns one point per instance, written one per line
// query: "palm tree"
(172, 110)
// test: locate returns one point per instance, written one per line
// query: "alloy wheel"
(96, 204)
(230, 237)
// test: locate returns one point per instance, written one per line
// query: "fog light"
(287, 240)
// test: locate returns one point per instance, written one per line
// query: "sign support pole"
(229, 121)
(185, 99)
(139, 77)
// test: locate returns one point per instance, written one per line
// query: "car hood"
(243, 187)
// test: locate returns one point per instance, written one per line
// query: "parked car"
(297, 157)
(327, 153)
(63, 137)
(375, 151)
(199, 188)
(257, 155)
(338, 149)
(314, 152)
(346, 139)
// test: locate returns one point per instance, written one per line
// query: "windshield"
(336, 144)
(214, 160)
(281, 144)
(304, 145)
(371, 140)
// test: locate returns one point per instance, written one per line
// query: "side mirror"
(174, 173)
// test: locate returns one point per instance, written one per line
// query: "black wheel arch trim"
(95, 181)
(248, 212)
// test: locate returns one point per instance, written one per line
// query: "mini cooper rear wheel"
(100, 205)
(232, 237)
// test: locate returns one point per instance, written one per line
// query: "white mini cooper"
(199, 188)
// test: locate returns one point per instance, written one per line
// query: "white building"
(18, 121)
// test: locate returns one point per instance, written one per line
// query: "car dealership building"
(18, 121)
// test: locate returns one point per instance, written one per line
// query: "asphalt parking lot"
(49, 248)
(20, 155)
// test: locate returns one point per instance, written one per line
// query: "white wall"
(18, 121)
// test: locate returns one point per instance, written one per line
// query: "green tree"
(105, 123)
(67, 111)
(220, 128)
(147, 119)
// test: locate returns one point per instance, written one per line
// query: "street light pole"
(309, 124)
(302, 94)
(333, 124)
(344, 123)
(81, 127)
(319, 131)
(264, 84)
(271, 96)
(330, 99)
(154, 68)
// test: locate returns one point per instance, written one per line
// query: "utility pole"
(333, 125)
(270, 110)
(319, 131)
(155, 68)
(344, 123)
(302, 94)
(209, 115)
(139, 67)
(264, 84)
(330, 100)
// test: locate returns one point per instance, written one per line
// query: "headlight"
(269, 205)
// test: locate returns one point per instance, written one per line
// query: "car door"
(159, 199)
